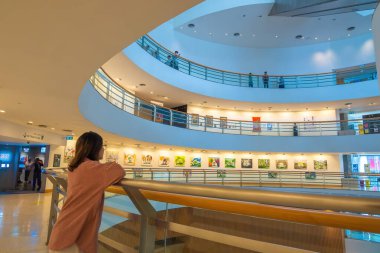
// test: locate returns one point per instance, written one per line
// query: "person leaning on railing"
(265, 79)
(78, 223)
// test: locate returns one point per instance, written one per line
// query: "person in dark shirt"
(265, 79)
(250, 80)
(37, 174)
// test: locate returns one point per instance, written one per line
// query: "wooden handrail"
(312, 217)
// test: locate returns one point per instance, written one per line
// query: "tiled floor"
(23, 222)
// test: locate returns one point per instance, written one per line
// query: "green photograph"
(263, 164)
(230, 163)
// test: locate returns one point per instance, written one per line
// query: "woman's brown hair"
(88, 146)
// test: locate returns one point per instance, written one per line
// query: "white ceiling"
(129, 76)
(258, 30)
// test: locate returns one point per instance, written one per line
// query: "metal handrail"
(353, 74)
(128, 102)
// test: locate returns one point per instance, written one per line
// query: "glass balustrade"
(128, 102)
(353, 74)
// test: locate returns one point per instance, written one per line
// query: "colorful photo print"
(129, 159)
(310, 175)
(137, 173)
(69, 152)
(179, 161)
(320, 164)
(246, 163)
(272, 174)
(213, 162)
(281, 164)
(300, 164)
(221, 173)
(112, 156)
(230, 163)
(196, 162)
(57, 160)
(146, 160)
(263, 164)
(195, 119)
(164, 161)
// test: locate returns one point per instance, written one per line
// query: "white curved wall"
(105, 115)
(258, 95)
(316, 58)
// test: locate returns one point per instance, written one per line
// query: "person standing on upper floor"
(266, 79)
(250, 80)
(169, 61)
(28, 168)
(77, 227)
(175, 60)
(281, 83)
(37, 168)
(295, 129)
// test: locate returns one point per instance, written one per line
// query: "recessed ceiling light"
(315, 38)
(226, 34)
(276, 36)
(119, 79)
(166, 98)
(299, 36)
(2, 111)
(370, 29)
(30, 122)
(348, 35)
(142, 84)
(195, 31)
(210, 34)
(351, 28)
(151, 92)
(52, 128)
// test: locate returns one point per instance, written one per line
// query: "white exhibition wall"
(103, 114)
(183, 81)
(325, 115)
(376, 33)
(317, 58)
(121, 155)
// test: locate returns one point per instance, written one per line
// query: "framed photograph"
(112, 156)
(129, 159)
(146, 160)
(246, 163)
(281, 164)
(223, 122)
(164, 161)
(272, 174)
(221, 173)
(196, 162)
(209, 121)
(57, 160)
(195, 119)
(213, 162)
(69, 151)
(179, 161)
(263, 164)
(230, 163)
(300, 164)
(320, 164)
(310, 175)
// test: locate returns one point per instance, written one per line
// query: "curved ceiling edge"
(112, 119)
(211, 6)
(183, 81)
(376, 35)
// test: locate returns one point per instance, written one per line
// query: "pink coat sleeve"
(113, 173)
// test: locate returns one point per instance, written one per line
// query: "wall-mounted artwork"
(129, 159)
(230, 163)
(310, 175)
(272, 174)
(146, 160)
(300, 164)
(179, 161)
(213, 162)
(112, 156)
(263, 163)
(195, 119)
(320, 164)
(137, 173)
(281, 164)
(57, 160)
(196, 162)
(69, 151)
(246, 163)
(164, 161)
(209, 121)
(221, 173)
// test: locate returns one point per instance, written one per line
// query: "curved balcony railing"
(353, 74)
(128, 102)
